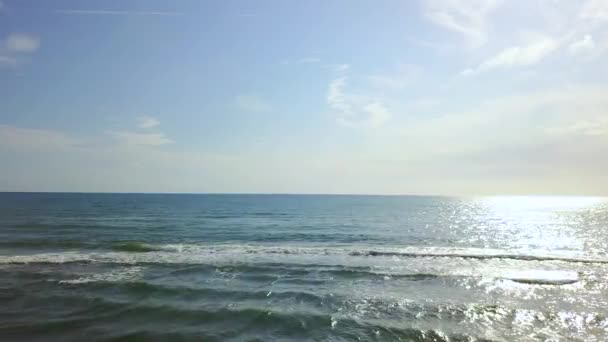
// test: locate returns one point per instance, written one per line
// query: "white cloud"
(20, 42)
(8, 61)
(517, 121)
(19, 138)
(352, 109)
(466, 17)
(498, 145)
(340, 68)
(141, 139)
(34, 139)
(336, 98)
(252, 103)
(517, 56)
(585, 44)
(13, 46)
(378, 114)
(592, 127)
(131, 138)
(595, 9)
(147, 122)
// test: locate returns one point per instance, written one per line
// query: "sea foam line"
(198, 253)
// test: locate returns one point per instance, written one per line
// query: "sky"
(452, 97)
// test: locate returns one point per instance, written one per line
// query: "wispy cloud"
(34, 139)
(523, 121)
(585, 44)
(377, 113)
(517, 56)
(354, 109)
(20, 42)
(336, 98)
(19, 138)
(141, 139)
(8, 62)
(252, 103)
(591, 127)
(116, 12)
(14, 46)
(465, 17)
(340, 68)
(574, 27)
(308, 60)
(147, 138)
(595, 9)
(147, 122)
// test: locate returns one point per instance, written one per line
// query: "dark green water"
(127, 267)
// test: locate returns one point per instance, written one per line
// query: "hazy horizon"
(426, 97)
(503, 196)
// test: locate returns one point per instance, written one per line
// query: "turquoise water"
(291, 267)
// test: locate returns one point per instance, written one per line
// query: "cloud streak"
(14, 46)
(141, 139)
(585, 44)
(117, 12)
(34, 139)
(8, 62)
(465, 17)
(22, 43)
(353, 109)
(517, 56)
(595, 10)
(147, 122)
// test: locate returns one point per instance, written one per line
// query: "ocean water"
(156, 267)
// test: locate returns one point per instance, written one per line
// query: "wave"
(114, 276)
(545, 281)
(163, 292)
(405, 334)
(134, 246)
(477, 254)
(134, 319)
(139, 252)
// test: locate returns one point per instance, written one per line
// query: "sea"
(215, 267)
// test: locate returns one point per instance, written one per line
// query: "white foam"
(341, 255)
(116, 275)
(543, 277)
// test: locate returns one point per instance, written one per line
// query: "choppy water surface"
(275, 267)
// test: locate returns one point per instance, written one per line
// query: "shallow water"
(337, 268)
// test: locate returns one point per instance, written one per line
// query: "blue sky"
(455, 97)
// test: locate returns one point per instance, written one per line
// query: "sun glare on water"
(550, 203)
(541, 222)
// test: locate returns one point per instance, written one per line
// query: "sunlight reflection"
(538, 222)
(552, 203)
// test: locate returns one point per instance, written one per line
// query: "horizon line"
(292, 194)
